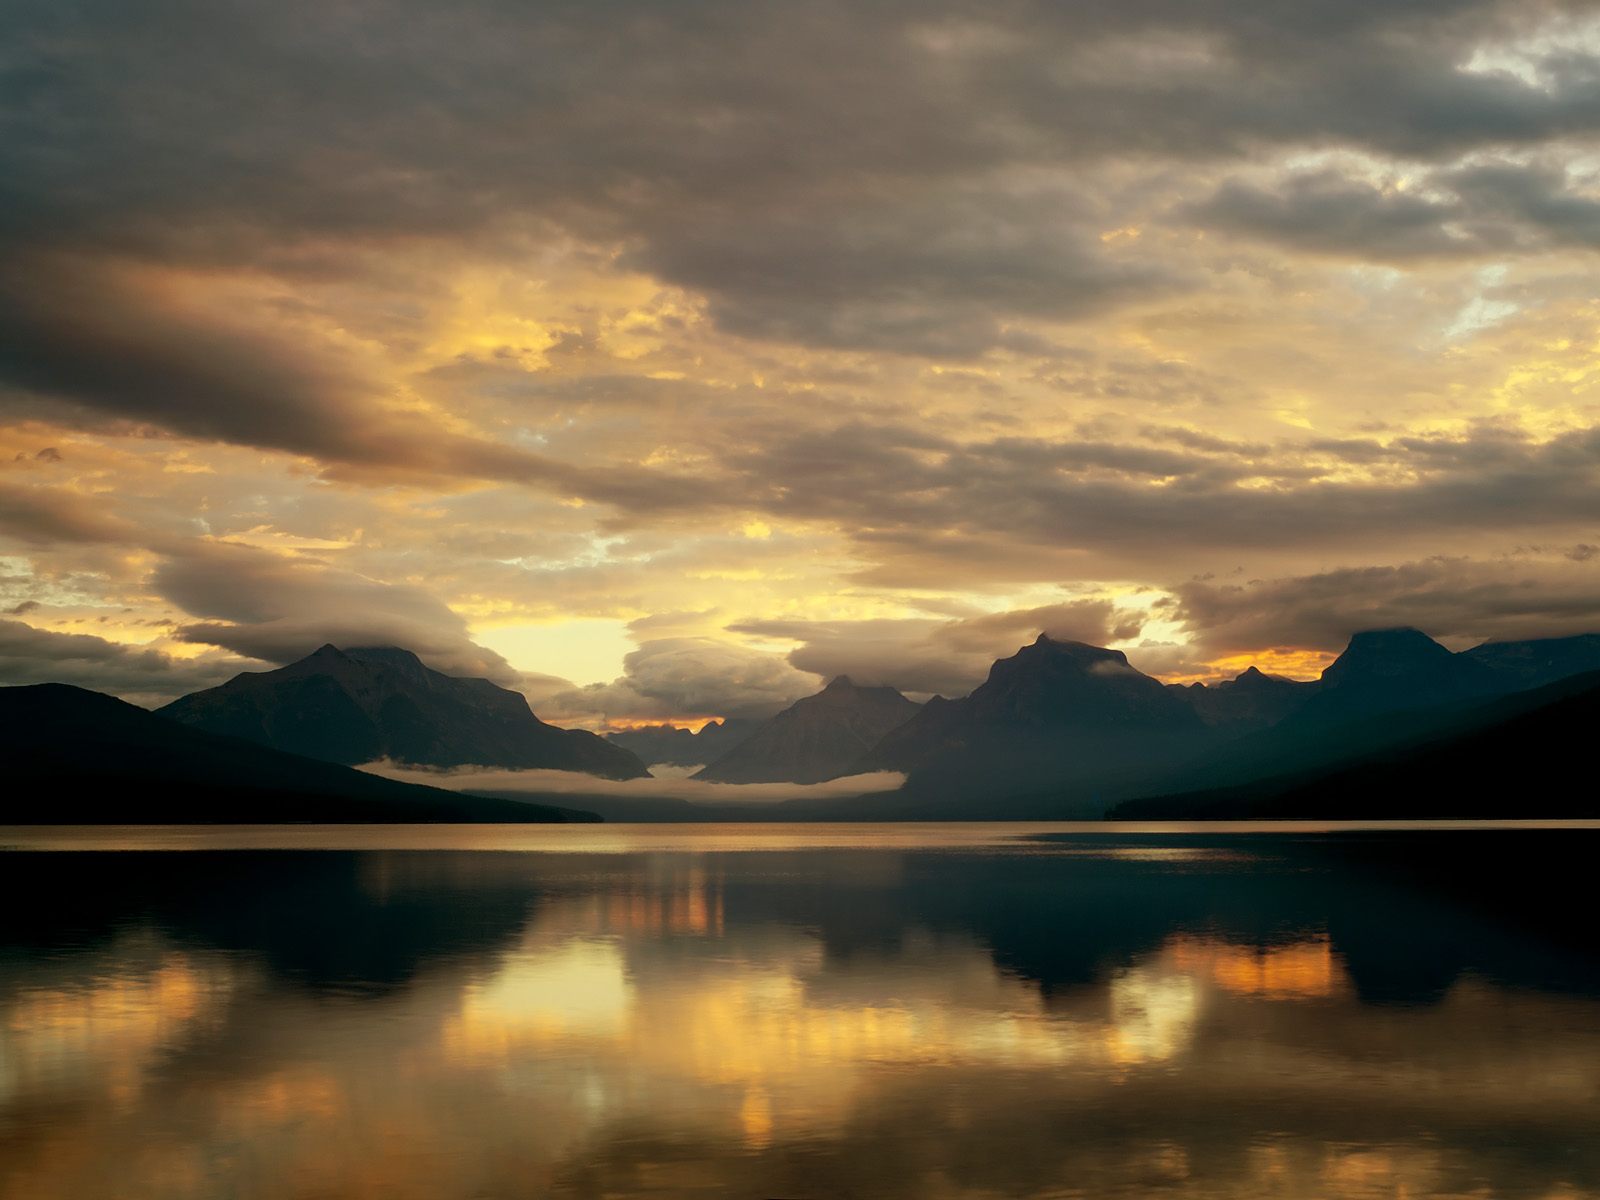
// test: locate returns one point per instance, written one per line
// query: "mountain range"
(1523, 755)
(1249, 701)
(1063, 729)
(818, 738)
(671, 746)
(1055, 714)
(78, 757)
(369, 703)
(1057, 730)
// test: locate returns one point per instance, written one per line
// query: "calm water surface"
(799, 1011)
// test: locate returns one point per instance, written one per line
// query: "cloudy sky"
(659, 359)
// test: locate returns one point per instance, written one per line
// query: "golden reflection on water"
(640, 1034)
(110, 1028)
(625, 838)
(1299, 970)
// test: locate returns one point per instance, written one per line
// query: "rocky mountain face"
(78, 757)
(821, 737)
(359, 705)
(669, 745)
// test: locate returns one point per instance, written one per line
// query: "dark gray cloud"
(84, 333)
(29, 655)
(40, 516)
(279, 609)
(831, 174)
(90, 336)
(938, 273)
(1486, 208)
(1520, 596)
(1551, 206)
(1328, 212)
(922, 508)
(100, 337)
(687, 677)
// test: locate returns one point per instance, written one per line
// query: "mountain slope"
(359, 705)
(1396, 670)
(78, 757)
(1534, 663)
(1060, 715)
(820, 737)
(1525, 755)
(1388, 688)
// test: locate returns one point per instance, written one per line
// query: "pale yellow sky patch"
(587, 650)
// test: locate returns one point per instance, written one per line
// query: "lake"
(1293, 1010)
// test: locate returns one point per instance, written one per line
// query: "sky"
(663, 360)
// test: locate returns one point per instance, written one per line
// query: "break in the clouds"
(753, 343)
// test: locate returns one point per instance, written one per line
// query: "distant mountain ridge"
(818, 738)
(1057, 730)
(368, 703)
(1539, 661)
(1250, 700)
(1066, 730)
(1522, 755)
(670, 745)
(79, 757)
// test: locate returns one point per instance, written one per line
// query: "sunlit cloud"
(813, 341)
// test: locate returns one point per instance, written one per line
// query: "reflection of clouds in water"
(658, 1024)
(777, 1051)
(1300, 970)
(578, 989)
(1152, 1015)
(111, 1027)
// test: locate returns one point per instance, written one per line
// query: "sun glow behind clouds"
(585, 650)
(1022, 327)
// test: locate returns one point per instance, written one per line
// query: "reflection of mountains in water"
(1403, 916)
(327, 920)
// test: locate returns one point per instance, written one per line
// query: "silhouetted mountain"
(1251, 700)
(669, 745)
(360, 705)
(78, 757)
(1534, 663)
(1387, 688)
(1060, 715)
(1395, 670)
(820, 737)
(1525, 755)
